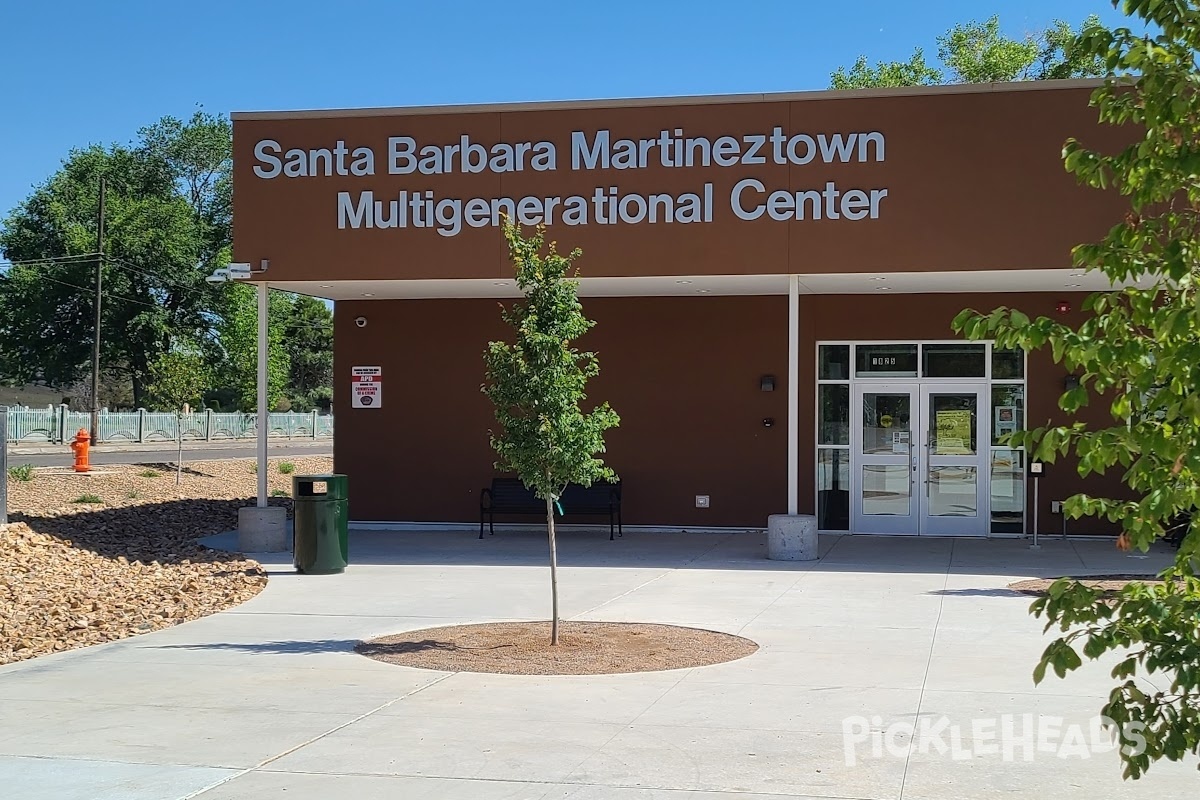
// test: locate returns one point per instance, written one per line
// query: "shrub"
(24, 472)
(286, 468)
(89, 499)
(280, 493)
(150, 473)
(133, 495)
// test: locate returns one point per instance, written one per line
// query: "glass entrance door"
(953, 465)
(885, 462)
(918, 462)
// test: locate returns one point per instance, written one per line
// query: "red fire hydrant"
(79, 446)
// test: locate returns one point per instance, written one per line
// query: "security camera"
(360, 322)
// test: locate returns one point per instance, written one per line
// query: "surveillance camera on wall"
(360, 322)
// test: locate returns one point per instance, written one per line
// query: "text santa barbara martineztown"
(749, 199)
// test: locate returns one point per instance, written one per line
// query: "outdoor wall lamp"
(767, 383)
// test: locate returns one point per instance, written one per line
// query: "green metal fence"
(57, 424)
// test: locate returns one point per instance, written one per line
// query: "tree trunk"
(553, 573)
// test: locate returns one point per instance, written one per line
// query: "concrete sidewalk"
(269, 701)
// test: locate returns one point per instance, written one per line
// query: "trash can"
(319, 532)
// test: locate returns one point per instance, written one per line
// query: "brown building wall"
(684, 374)
(974, 180)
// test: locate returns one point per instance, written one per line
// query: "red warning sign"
(366, 390)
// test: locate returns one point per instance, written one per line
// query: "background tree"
(237, 335)
(1139, 354)
(178, 378)
(537, 384)
(309, 344)
(159, 246)
(979, 52)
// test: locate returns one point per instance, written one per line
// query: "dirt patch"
(126, 562)
(584, 648)
(1108, 585)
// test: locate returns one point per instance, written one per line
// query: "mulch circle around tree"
(584, 648)
(1109, 585)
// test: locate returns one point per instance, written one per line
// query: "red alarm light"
(1063, 307)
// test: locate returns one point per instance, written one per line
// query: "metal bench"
(509, 496)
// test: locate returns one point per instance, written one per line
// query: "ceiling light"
(500, 283)
(326, 286)
(883, 288)
(368, 294)
(1072, 285)
(683, 282)
(1076, 275)
(878, 278)
(702, 291)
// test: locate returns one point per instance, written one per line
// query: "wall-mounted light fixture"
(767, 383)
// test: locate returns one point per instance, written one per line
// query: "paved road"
(167, 454)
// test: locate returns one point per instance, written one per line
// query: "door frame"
(987, 448)
(945, 525)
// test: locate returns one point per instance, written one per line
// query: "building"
(773, 278)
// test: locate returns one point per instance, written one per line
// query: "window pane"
(886, 428)
(833, 489)
(833, 421)
(1008, 364)
(952, 492)
(1008, 491)
(833, 362)
(886, 360)
(1008, 410)
(954, 360)
(886, 489)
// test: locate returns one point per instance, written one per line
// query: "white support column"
(793, 426)
(263, 420)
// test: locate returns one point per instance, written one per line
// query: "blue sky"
(74, 72)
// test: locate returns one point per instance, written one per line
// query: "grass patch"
(89, 499)
(254, 467)
(286, 468)
(280, 493)
(149, 473)
(134, 495)
(24, 472)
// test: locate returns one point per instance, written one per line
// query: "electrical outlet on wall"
(701, 501)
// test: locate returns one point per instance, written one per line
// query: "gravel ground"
(1108, 585)
(584, 648)
(124, 559)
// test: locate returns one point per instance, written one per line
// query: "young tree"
(537, 384)
(978, 52)
(178, 378)
(1138, 353)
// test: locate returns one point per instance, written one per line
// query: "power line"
(51, 260)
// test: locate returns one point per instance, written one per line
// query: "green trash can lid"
(335, 486)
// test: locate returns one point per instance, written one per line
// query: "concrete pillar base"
(792, 537)
(263, 530)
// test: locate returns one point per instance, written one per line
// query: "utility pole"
(96, 333)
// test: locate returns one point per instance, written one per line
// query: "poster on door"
(366, 390)
(953, 432)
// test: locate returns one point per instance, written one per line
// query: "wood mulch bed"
(584, 648)
(1109, 585)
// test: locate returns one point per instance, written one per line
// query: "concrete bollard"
(263, 530)
(792, 537)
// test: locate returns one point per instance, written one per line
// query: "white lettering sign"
(750, 199)
(366, 390)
